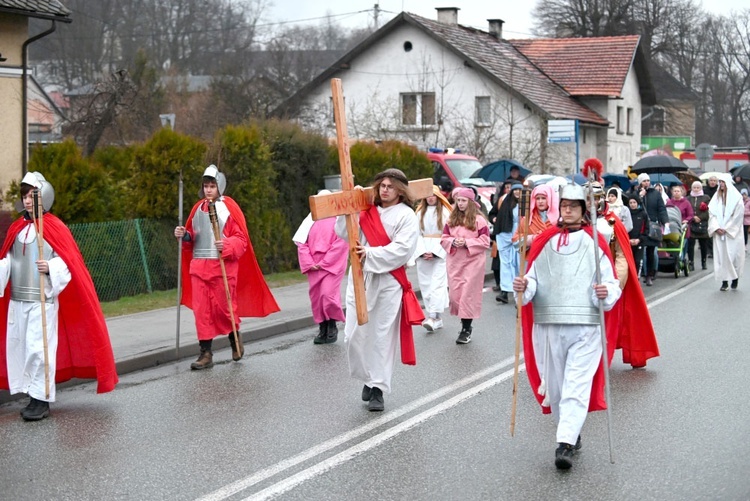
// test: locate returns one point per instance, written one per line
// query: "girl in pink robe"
(466, 238)
(322, 257)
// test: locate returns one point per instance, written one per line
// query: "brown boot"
(205, 360)
(236, 353)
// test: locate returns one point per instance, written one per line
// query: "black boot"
(377, 402)
(703, 264)
(502, 297)
(237, 352)
(724, 286)
(322, 333)
(206, 358)
(735, 283)
(37, 410)
(333, 331)
(564, 456)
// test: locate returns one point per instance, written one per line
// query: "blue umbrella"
(665, 179)
(621, 179)
(499, 170)
(577, 178)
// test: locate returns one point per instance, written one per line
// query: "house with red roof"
(436, 83)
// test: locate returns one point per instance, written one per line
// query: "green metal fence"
(129, 257)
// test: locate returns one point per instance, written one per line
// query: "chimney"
(496, 28)
(447, 15)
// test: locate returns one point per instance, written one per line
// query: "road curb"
(155, 358)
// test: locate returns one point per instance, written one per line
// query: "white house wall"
(622, 147)
(377, 78)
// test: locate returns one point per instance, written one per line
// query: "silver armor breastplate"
(203, 235)
(24, 275)
(569, 302)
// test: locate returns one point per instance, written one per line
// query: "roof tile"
(48, 7)
(583, 66)
(506, 63)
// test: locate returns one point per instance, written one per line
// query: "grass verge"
(168, 299)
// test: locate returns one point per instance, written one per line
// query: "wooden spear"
(525, 210)
(37, 216)
(217, 236)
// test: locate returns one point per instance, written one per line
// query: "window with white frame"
(482, 110)
(418, 109)
(620, 119)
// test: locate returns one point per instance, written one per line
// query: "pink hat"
(465, 193)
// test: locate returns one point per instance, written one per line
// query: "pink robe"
(323, 247)
(466, 267)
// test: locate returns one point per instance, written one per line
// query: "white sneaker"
(437, 323)
(429, 324)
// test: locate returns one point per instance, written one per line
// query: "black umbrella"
(743, 171)
(499, 170)
(658, 163)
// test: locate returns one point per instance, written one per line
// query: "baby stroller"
(672, 252)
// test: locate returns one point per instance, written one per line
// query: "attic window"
(407, 46)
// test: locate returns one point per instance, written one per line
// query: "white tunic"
(432, 273)
(729, 249)
(24, 344)
(568, 355)
(371, 348)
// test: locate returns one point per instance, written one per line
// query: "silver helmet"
(36, 179)
(572, 191)
(221, 180)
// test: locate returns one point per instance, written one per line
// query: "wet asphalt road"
(287, 421)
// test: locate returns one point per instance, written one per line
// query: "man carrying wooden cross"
(388, 236)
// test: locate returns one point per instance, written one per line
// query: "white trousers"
(25, 349)
(567, 358)
(433, 283)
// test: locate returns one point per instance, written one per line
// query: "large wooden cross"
(350, 201)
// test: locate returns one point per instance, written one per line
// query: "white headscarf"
(300, 236)
(716, 206)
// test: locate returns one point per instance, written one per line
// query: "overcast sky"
(515, 13)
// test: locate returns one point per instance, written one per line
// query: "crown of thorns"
(394, 174)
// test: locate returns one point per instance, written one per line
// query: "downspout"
(24, 95)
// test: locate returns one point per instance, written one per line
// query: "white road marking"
(245, 483)
(352, 452)
(679, 291)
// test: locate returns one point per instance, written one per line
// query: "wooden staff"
(525, 211)
(38, 218)
(217, 237)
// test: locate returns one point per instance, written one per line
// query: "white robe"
(568, 355)
(432, 274)
(24, 343)
(371, 348)
(729, 249)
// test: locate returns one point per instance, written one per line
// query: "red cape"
(597, 402)
(83, 347)
(411, 312)
(636, 335)
(254, 298)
